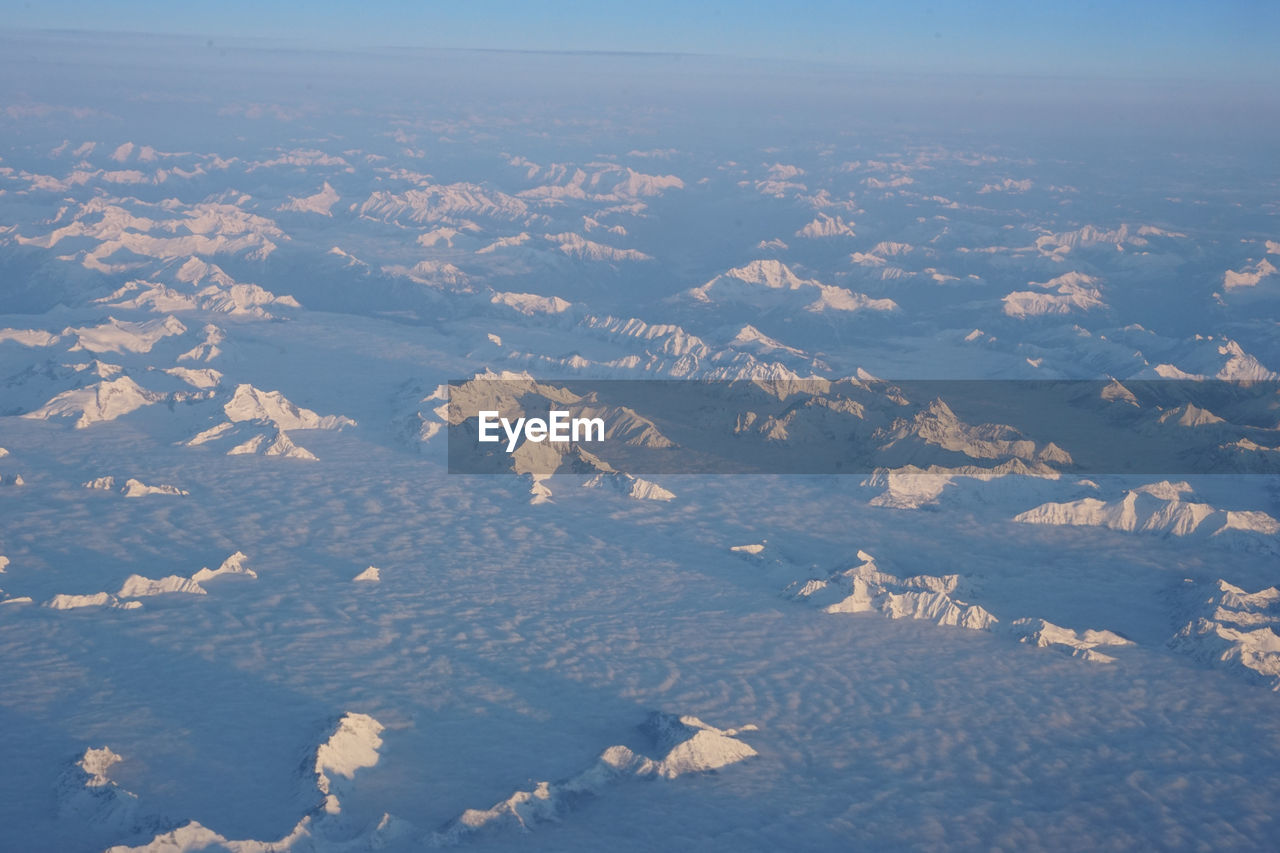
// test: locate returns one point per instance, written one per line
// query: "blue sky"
(1215, 40)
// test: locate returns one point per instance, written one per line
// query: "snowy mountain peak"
(685, 745)
(121, 336)
(195, 271)
(1190, 415)
(768, 272)
(1158, 507)
(321, 202)
(1080, 644)
(749, 335)
(763, 282)
(1070, 292)
(252, 404)
(353, 745)
(236, 564)
(864, 588)
(97, 403)
(1234, 630)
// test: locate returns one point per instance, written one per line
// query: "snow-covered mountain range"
(252, 300)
